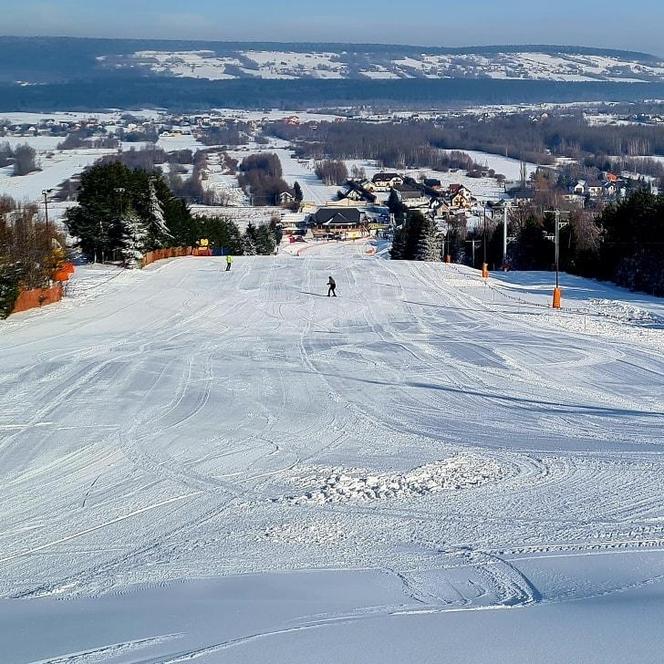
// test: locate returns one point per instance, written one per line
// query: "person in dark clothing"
(331, 287)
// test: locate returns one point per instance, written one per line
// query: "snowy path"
(455, 446)
(313, 190)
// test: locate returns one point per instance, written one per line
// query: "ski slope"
(427, 468)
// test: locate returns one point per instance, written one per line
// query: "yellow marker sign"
(204, 243)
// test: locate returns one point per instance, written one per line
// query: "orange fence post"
(557, 296)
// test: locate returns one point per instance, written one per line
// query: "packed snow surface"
(209, 465)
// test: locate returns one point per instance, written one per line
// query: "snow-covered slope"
(549, 65)
(364, 471)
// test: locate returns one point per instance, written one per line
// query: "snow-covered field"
(302, 171)
(55, 168)
(565, 65)
(207, 466)
(510, 168)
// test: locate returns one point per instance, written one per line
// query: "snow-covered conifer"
(157, 213)
(134, 238)
(429, 242)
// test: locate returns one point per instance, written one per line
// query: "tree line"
(623, 243)
(122, 213)
(537, 138)
(331, 171)
(393, 145)
(22, 158)
(261, 179)
(30, 252)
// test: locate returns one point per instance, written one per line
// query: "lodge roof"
(329, 216)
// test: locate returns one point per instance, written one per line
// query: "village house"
(286, 198)
(574, 199)
(354, 192)
(367, 185)
(338, 223)
(609, 189)
(294, 223)
(439, 208)
(386, 181)
(411, 197)
(460, 197)
(580, 188)
(433, 183)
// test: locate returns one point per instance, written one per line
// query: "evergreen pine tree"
(412, 232)
(265, 241)
(249, 241)
(297, 192)
(134, 238)
(396, 207)
(398, 244)
(429, 241)
(156, 211)
(94, 220)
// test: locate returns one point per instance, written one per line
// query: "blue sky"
(635, 25)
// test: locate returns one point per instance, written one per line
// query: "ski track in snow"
(182, 422)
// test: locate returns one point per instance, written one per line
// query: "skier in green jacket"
(229, 263)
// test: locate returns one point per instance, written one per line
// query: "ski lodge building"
(339, 223)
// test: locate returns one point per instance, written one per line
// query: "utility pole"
(473, 244)
(45, 193)
(557, 293)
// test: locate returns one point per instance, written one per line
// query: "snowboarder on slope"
(331, 287)
(229, 263)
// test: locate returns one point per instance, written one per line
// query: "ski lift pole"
(557, 292)
(557, 240)
(485, 265)
(505, 236)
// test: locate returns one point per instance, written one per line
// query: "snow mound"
(457, 472)
(624, 311)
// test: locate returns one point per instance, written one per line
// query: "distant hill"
(48, 60)
(46, 73)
